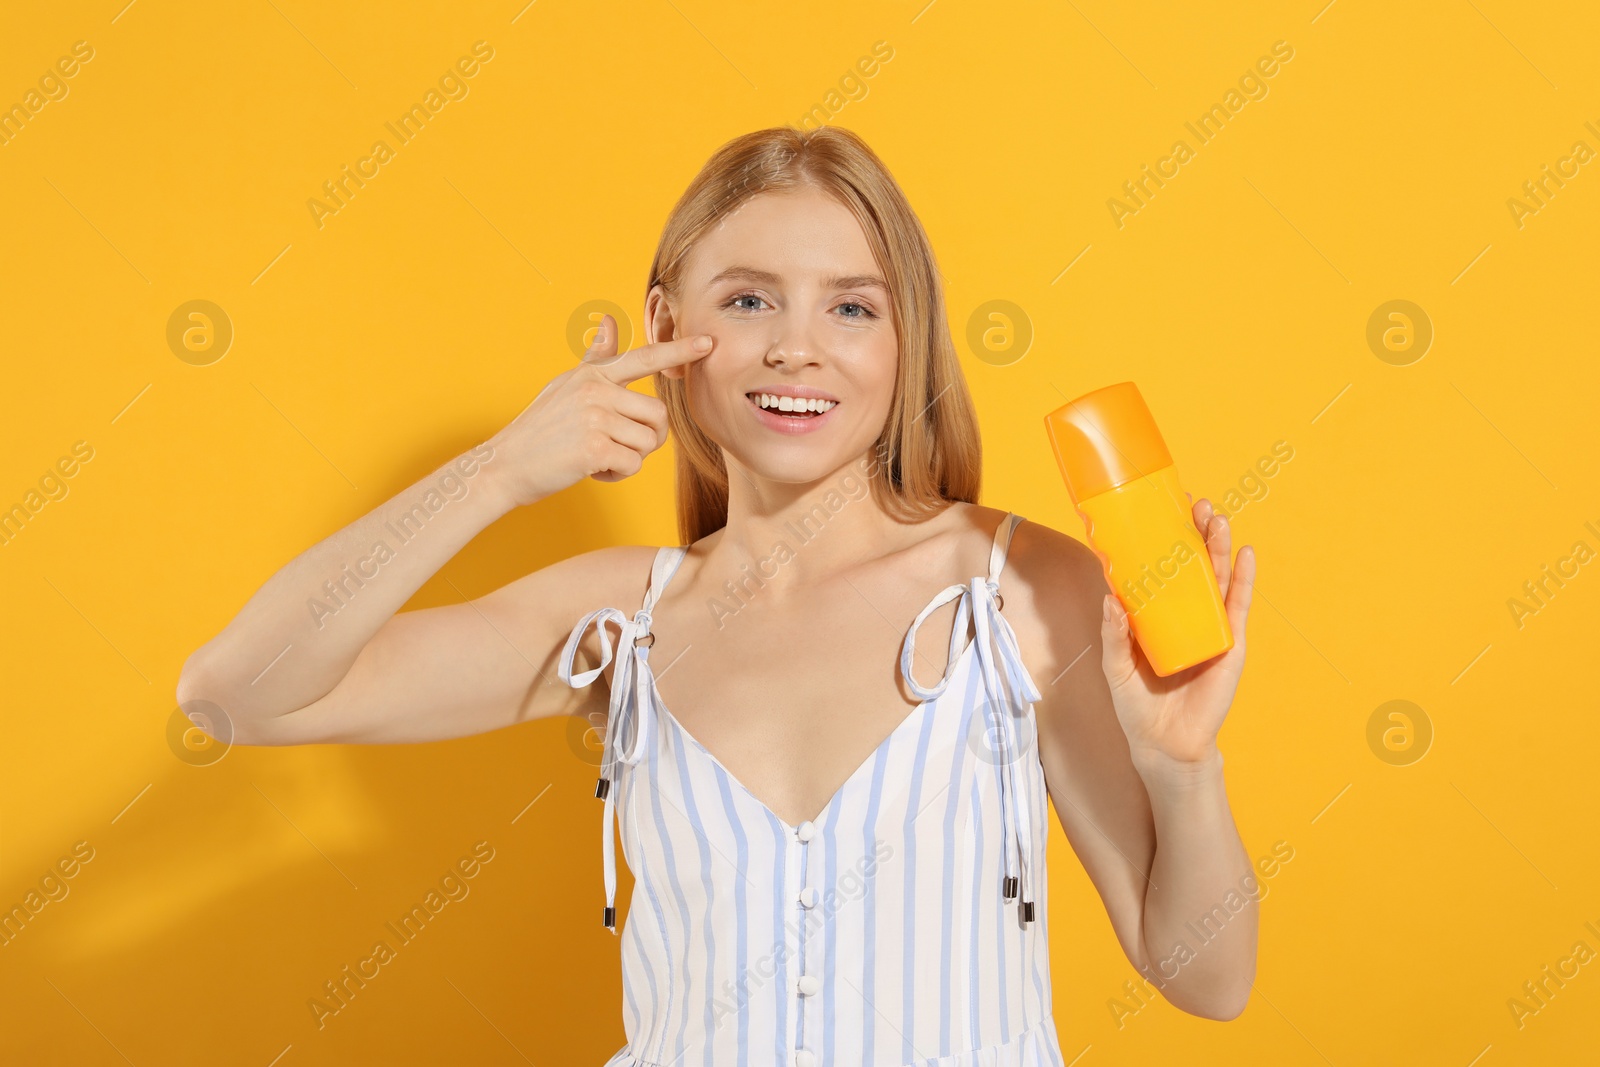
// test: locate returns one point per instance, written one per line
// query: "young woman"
(835, 861)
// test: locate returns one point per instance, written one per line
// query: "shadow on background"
(297, 861)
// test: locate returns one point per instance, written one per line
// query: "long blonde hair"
(928, 454)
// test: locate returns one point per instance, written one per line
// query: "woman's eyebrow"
(857, 281)
(766, 277)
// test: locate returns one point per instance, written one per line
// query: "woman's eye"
(851, 309)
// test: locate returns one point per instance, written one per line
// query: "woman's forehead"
(784, 237)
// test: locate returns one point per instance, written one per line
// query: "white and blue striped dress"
(906, 924)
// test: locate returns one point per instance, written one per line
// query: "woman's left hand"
(1173, 721)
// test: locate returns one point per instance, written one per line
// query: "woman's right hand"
(587, 422)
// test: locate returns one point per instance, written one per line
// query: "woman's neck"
(798, 535)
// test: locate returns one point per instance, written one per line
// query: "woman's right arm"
(322, 653)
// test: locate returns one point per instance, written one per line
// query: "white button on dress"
(808, 897)
(805, 831)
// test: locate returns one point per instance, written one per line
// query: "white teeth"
(773, 401)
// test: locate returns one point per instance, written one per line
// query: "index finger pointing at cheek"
(663, 355)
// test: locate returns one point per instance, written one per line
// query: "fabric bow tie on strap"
(1008, 690)
(628, 718)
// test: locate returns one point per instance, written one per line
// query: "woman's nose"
(792, 343)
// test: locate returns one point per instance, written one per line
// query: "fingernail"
(1105, 608)
(702, 343)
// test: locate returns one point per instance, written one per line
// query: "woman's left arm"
(1135, 775)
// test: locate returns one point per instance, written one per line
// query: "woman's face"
(789, 289)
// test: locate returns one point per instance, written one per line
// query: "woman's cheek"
(705, 385)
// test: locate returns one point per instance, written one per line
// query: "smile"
(791, 414)
(796, 406)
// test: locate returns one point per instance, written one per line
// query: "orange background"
(419, 318)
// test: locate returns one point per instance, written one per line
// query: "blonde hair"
(928, 454)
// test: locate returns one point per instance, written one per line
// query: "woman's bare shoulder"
(1053, 584)
(1040, 553)
(1038, 556)
(601, 564)
(615, 576)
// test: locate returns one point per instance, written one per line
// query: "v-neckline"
(915, 713)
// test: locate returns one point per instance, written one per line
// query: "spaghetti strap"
(666, 563)
(990, 590)
(1009, 695)
(1002, 544)
(631, 709)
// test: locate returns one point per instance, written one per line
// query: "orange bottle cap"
(1105, 439)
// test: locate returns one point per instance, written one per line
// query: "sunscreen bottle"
(1137, 520)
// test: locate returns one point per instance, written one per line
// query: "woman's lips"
(790, 424)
